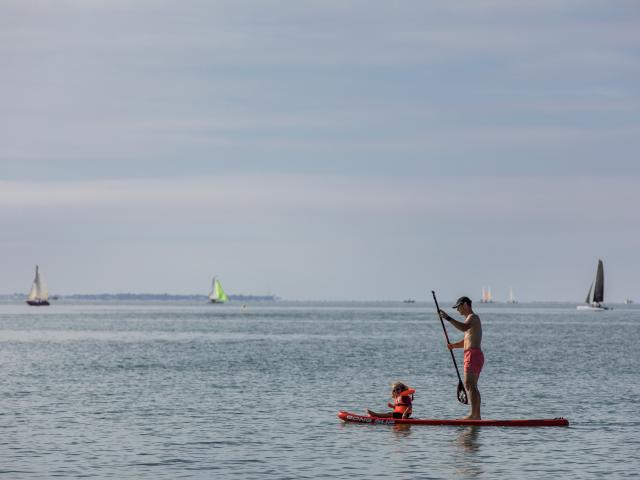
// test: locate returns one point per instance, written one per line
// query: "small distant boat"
(39, 294)
(217, 294)
(595, 297)
(409, 300)
(486, 295)
(628, 301)
(511, 297)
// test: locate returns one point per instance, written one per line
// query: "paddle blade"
(462, 394)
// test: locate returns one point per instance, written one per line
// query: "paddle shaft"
(446, 335)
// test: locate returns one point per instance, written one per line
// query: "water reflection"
(469, 443)
(468, 439)
(402, 430)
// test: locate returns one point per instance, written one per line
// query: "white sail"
(33, 294)
(39, 291)
(213, 289)
(44, 291)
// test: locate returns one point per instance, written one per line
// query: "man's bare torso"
(473, 336)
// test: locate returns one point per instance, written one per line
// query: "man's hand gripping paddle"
(462, 393)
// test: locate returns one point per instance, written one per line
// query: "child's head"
(397, 388)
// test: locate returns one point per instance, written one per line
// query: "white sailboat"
(217, 294)
(595, 297)
(39, 294)
(511, 297)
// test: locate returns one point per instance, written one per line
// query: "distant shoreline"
(146, 297)
(169, 297)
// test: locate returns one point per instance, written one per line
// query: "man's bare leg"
(371, 413)
(471, 384)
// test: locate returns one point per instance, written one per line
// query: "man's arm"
(463, 327)
(459, 344)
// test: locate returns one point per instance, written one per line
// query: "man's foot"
(471, 417)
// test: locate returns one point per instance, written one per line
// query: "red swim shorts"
(473, 361)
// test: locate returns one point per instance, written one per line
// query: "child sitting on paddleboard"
(402, 402)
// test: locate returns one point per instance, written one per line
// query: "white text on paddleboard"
(377, 421)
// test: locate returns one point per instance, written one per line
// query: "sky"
(321, 150)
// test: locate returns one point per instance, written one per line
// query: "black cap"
(462, 300)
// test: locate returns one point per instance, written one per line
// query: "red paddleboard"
(543, 422)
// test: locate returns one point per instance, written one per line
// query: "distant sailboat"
(39, 294)
(595, 297)
(217, 294)
(511, 297)
(486, 296)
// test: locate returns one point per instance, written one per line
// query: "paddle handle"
(446, 335)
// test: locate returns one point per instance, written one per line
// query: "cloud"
(238, 196)
(196, 83)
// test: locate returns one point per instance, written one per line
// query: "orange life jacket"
(403, 401)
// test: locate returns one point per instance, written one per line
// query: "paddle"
(462, 393)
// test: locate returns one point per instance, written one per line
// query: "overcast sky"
(327, 149)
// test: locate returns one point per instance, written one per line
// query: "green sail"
(219, 294)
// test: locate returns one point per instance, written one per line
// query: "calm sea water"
(203, 391)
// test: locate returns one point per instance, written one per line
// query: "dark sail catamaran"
(595, 297)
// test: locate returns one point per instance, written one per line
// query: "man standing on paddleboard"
(473, 356)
